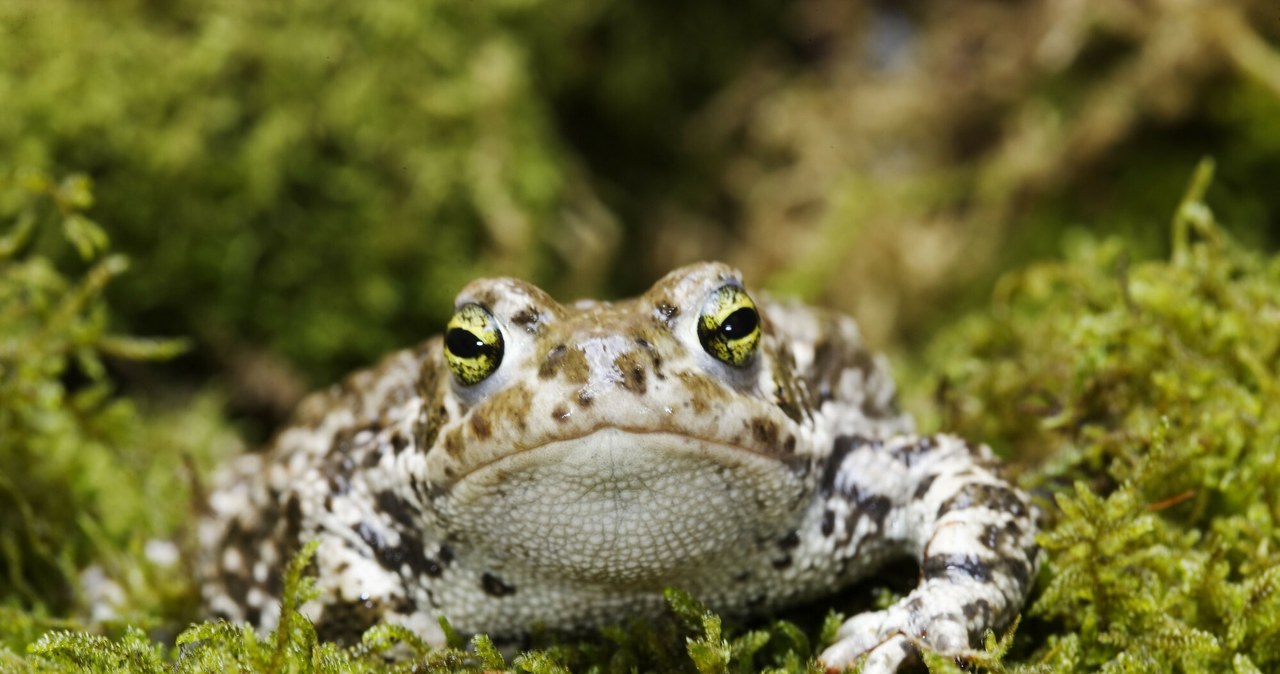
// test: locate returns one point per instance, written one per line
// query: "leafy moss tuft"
(68, 446)
(1149, 390)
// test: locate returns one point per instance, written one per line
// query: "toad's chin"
(673, 503)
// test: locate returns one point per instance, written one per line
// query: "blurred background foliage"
(303, 185)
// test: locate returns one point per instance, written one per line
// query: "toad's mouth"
(673, 502)
(614, 442)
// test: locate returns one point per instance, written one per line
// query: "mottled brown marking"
(765, 431)
(570, 364)
(434, 415)
(789, 396)
(480, 425)
(667, 311)
(508, 408)
(486, 298)
(527, 318)
(704, 392)
(583, 398)
(429, 423)
(453, 443)
(654, 357)
(633, 374)
(560, 413)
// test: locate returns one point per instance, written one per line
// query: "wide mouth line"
(605, 428)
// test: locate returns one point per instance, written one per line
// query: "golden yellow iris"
(473, 344)
(729, 327)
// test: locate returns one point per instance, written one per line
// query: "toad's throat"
(674, 503)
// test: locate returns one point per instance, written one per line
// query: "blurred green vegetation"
(303, 186)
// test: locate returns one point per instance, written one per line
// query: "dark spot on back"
(409, 551)
(560, 413)
(494, 586)
(945, 566)
(828, 522)
(583, 398)
(791, 540)
(839, 450)
(923, 488)
(398, 442)
(980, 607)
(400, 511)
(875, 508)
(996, 497)
(992, 537)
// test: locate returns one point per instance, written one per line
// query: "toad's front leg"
(972, 533)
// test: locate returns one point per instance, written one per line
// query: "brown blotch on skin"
(703, 392)
(765, 431)
(654, 357)
(790, 397)
(453, 443)
(427, 428)
(486, 298)
(434, 415)
(560, 413)
(569, 363)
(508, 408)
(428, 384)
(583, 398)
(633, 374)
(480, 426)
(551, 363)
(527, 318)
(666, 310)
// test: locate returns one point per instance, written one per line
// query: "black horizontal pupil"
(463, 344)
(740, 323)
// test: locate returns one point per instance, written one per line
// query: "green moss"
(1148, 390)
(68, 446)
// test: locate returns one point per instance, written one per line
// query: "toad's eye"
(473, 344)
(729, 327)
